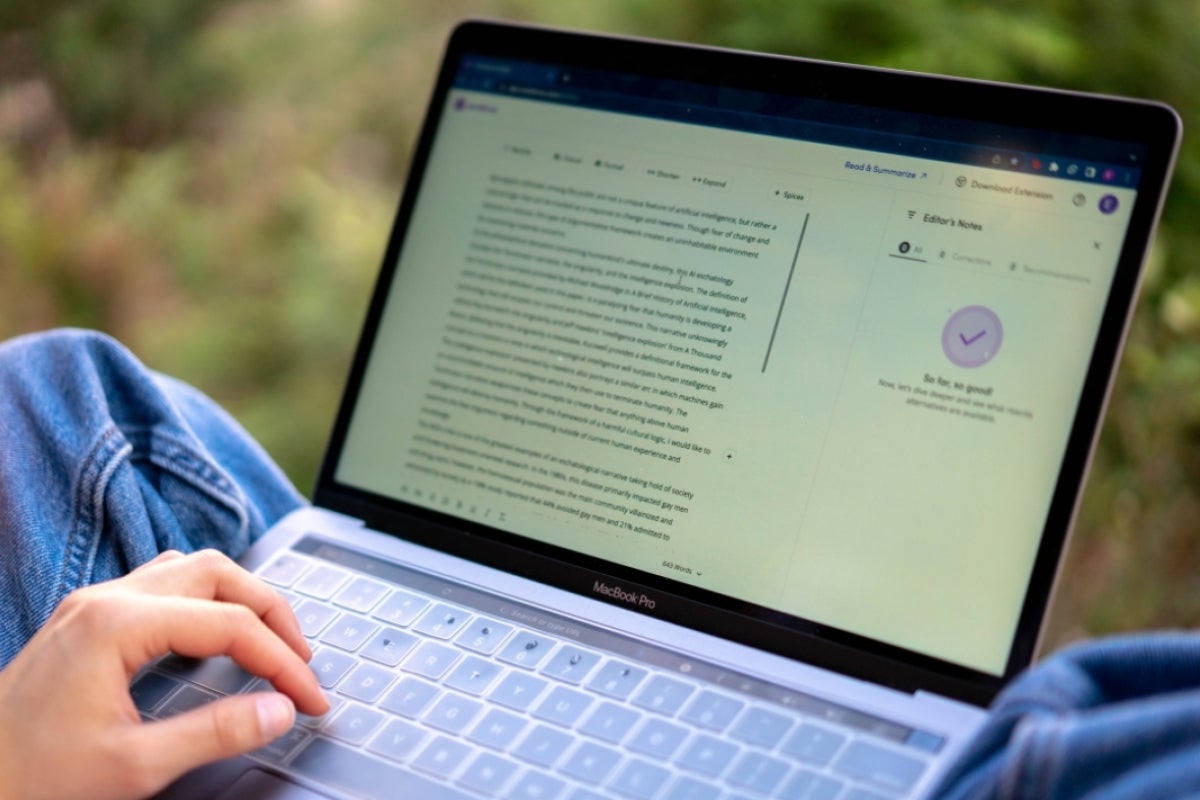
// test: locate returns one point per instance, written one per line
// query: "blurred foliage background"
(211, 181)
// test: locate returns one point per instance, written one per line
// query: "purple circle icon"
(972, 336)
(1108, 204)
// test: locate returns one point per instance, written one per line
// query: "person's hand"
(68, 727)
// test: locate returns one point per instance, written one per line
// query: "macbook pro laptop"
(715, 431)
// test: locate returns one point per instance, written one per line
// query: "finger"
(210, 575)
(201, 629)
(221, 729)
(163, 557)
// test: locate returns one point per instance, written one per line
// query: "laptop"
(715, 430)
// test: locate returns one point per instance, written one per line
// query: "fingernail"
(275, 715)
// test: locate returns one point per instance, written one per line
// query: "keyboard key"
(586, 794)
(276, 752)
(640, 779)
(221, 673)
(442, 621)
(616, 679)
(389, 646)
(762, 727)
(610, 722)
(361, 595)
(452, 713)
(563, 706)
(488, 774)
(813, 744)
(401, 608)
(543, 746)
(330, 666)
(484, 635)
(707, 755)
(537, 786)
(712, 711)
(309, 721)
(473, 675)
(498, 729)
(806, 785)
(859, 793)
(880, 767)
(349, 632)
(517, 690)
(441, 757)
(187, 698)
(571, 664)
(431, 660)
(658, 739)
(353, 724)
(663, 695)
(284, 570)
(409, 698)
(322, 582)
(397, 740)
(335, 764)
(313, 617)
(591, 762)
(151, 689)
(691, 789)
(366, 682)
(758, 773)
(526, 649)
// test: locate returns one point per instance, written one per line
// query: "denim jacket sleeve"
(1114, 719)
(104, 464)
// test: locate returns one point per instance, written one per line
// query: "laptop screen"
(812, 357)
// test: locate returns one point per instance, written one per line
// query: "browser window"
(781, 369)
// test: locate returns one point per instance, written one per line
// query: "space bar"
(351, 771)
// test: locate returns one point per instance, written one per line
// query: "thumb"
(221, 729)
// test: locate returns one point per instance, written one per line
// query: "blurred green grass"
(211, 181)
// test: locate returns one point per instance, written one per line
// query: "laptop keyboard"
(434, 698)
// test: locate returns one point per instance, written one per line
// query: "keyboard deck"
(437, 698)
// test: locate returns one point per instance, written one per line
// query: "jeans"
(1115, 719)
(104, 464)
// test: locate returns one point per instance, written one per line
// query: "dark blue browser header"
(883, 130)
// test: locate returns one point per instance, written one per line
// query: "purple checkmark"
(972, 336)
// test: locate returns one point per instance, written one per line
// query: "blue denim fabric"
(1115, 719)
(104, 464)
